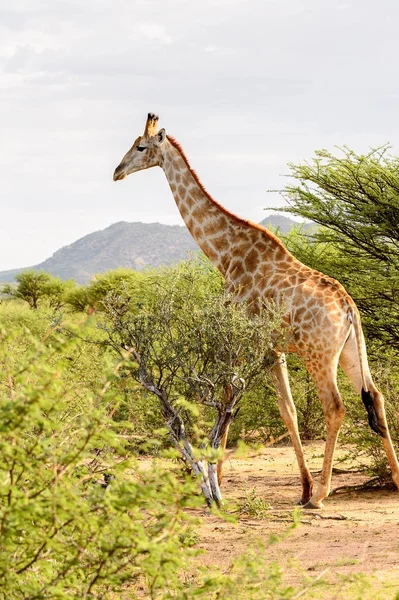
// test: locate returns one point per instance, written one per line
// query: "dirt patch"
(357, 532)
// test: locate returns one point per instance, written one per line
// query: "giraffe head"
(145, 152)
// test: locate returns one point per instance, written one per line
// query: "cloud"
(245, 85)
(154, 32)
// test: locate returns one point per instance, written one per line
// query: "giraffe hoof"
(310, 506)
(301, 502)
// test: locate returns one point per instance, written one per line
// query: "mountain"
(284, 224)
(134, 245)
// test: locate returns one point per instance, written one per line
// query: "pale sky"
(244, 85)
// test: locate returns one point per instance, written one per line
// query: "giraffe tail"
(354, 318)
(367, 394)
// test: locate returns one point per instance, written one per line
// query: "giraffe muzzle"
(119, 173)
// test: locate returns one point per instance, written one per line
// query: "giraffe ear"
(161, 135)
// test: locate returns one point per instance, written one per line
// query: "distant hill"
(284, 224)
(134, 245)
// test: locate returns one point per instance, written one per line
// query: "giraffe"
(323, 318)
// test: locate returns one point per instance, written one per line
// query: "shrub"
(64, 534)
(197, 350)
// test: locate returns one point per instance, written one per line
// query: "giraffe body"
(322, 318)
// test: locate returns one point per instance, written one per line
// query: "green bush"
(63, 534)
(38, 288)
(79, 518)
(197, 351)
(122, 282)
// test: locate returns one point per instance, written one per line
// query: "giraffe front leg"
(288, 414)
(334, 411)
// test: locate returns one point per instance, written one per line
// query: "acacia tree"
(123, 281)
(355, 196)
(197, 351)
(33, 286)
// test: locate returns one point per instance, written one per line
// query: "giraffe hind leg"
(372, 399)
(349, 361)
(334, 411)
(383, 431)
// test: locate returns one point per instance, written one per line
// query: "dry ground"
(357, 532)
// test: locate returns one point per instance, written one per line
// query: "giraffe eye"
(141, 148)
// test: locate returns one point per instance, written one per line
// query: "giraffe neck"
(221, 235)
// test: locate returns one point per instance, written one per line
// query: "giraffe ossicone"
(257, 267)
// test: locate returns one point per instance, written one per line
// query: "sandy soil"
(356, 532)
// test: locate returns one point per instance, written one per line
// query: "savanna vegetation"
(160, 363)
(83, 396)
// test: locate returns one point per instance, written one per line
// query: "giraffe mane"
(230, 214)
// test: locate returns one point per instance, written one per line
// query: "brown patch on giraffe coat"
(240, 243)
(210, 228)
(170, 173)
(254, 303)
(236, 269)
(197, 232)
(283, 266)
(209, 251)
(181, 191)
(323, 282)
(221, 222)
(262, 246)
(151, 153)
(183, 210)
(292, 270)
(259, 280)
(299, 345)
(252, 260)
(246, 281)
(197, 194)
(212, 211)
(253, 298)
(186, 181)
(197, 212)
(280, 254)
(180, 163)
(292, 280)
(275, 281)
(220, 242)
(312, 302)
(329, 300)
(298, 314)
(305, 272)
(189, 201)
(225, 262)
(307, 315)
